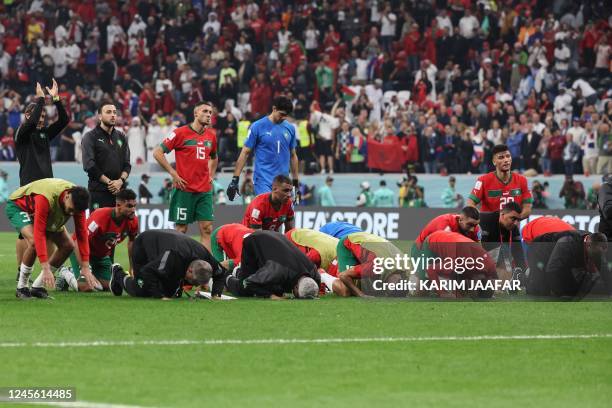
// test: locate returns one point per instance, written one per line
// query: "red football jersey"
(544, 225)
(105, 232)
(193, 151)
(261, 215)
(493, 194)
(230, 238)
(447, 244)
(445, 222)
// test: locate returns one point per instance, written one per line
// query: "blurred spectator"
(7, 146)
(165, 191)
(593, 196)
(144, 194)
(247, 189)
(4, 191)
(324, 126)
(136, 140)
(384, 196)
(573, 193)
(450, 197)
(325, 194)
(538, 190)
(571, 155)
(365, 198)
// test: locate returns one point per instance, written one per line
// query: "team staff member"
(32, 137)
(493, 190)
(163, 261)
(107, 228)
(273, 142)
(272, 266)
(32, 145)
(465, 223)
(106, 158)
(569, 264)
(320, 248)
(269, 211)
(226, 243)
(500, 230)
(196, 164)
(38, 211)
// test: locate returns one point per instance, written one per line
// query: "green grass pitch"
(447, 370)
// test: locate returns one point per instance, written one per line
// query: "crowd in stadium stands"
(388, 84)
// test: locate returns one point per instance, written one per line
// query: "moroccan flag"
(347, 93)
(385, 156)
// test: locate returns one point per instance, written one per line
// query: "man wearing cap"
(272, 266)
(365, 198)
(326, 197)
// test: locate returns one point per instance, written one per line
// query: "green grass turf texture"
(496, 373)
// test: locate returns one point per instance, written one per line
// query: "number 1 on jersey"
(278, 146)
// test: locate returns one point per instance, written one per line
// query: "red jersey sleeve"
(526, 198)
(170, 142)
(133, 229)
(41, 213)
(80, 226)
(477, 193)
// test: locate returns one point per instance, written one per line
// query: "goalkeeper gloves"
(232, 189)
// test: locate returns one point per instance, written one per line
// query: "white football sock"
(24, 276)
(328, 280)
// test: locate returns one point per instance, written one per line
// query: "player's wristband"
(56, 98)
(236, 179)
(296, 183)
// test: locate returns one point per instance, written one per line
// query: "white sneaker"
(323, 171)
(68, 276)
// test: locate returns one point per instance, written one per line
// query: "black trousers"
(100, 199)
(132, 288)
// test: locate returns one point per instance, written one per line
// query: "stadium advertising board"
(390, 223)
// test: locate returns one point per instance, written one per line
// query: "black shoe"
(23, 293)
(117, 275)
(40, 293)
(17, 278)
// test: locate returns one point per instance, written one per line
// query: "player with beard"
(106, 159)
(196, 164)
(497, 188)
(107, 228)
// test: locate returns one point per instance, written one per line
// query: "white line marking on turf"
(239, 342)
(84, 404)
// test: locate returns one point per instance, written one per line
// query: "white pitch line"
(80, 404)
(238, 342)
